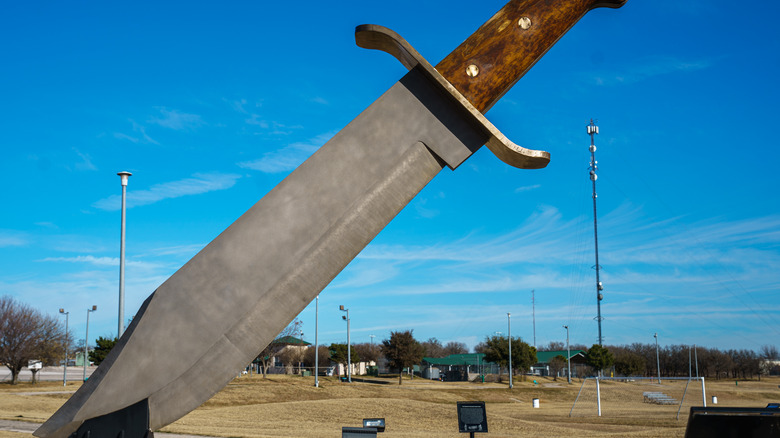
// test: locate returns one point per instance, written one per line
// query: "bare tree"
(453, 347)
(367, 352)
(433, 348)
(554, 346)
(769, 352)
(26, 334)
(323, 356)
(271, 350)
(291, 356)
(556, 365)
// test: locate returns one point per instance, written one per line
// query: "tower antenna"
(592, 131)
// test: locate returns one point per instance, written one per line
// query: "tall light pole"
(349, 345)
(65, 370)
(509, 336)
(568, 353)
(86, 343)
(592, 131)
(121, 324)
(533, 312)
(316, 343)
(657, 360)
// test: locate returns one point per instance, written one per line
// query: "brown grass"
(289, 406)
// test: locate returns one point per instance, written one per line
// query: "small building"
(542, 366)
(292, 350)
(457, 367)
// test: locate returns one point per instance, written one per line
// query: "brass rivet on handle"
(524, 23)
(472, 70)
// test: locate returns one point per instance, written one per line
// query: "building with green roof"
(457, 367)
(542, 366)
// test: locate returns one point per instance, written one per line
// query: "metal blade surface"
(214, 315)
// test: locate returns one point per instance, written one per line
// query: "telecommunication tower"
(592, 131)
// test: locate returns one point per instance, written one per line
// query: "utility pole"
(657, 359)
(509, 336)
(86, 344)
(533, 312)
(568, 353)
(65, 370)
(121, 323)
(592, 131)
(349, 345)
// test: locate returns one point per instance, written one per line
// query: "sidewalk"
(27, 427)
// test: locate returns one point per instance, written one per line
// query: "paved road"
(75, 374)
(27, 427)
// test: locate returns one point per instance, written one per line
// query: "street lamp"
(65, 370)
(349, 348)
(657, 360)
(86, 343)
(121, 325)
(568, 352)
(509, 336)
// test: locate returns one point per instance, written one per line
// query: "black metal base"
(130, 422)
(733, 422)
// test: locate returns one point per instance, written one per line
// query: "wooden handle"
(502, 50)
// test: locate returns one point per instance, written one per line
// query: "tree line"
(680, 360)
(27, 334)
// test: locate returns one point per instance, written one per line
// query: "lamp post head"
(566, 327)
(92, 309)
(62, 311)
(342, 308)
(124, 175)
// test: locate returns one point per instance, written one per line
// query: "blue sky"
(210, 106)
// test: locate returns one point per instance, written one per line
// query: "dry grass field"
(289, 406)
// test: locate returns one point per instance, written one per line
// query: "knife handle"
(502, 50)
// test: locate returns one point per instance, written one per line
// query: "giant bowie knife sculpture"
(216, 313)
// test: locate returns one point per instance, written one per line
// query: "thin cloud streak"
(12, 238)
(288, 157)
(101, 261)
(198, 184)
(649, 68)
(176, 120)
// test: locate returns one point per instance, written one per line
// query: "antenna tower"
(592, 131)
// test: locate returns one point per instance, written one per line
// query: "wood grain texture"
(509, 44)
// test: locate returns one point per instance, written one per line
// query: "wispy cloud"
(527, 188)
(715, 256)
(101, 261)
(320, 100)
(12, 238)
(197, 184)
(86, 161)
(288, 157)
(176, 120)
(138, 129)
(648, 68)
